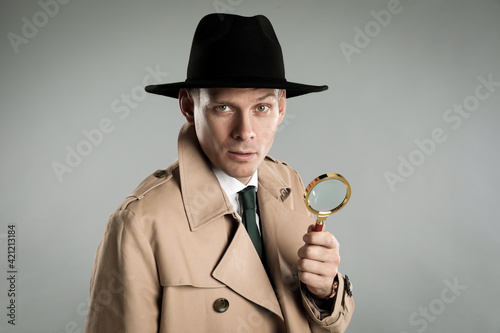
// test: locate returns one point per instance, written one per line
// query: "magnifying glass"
(326, 195)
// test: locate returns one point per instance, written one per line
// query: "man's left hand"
(319, 260)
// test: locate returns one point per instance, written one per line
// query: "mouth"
(241, 155)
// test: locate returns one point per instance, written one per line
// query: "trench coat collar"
(199, 185)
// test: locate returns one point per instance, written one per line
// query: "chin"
(239, 174)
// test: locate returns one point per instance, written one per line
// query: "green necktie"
(248, 201)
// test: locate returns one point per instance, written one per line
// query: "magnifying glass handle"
(318, 226)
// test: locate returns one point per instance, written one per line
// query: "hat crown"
(231, 46)
(232, 51)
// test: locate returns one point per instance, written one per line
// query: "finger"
(317, 252)
(317, 267)
(323, 238)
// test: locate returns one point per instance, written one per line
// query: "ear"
(186, 104)
(282, 106)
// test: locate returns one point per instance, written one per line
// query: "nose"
(243, 128)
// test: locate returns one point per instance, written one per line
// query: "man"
(190, 250)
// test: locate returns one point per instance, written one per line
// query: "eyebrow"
(228, 102)
(273, 94)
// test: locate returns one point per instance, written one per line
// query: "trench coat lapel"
(203, 198)
(242, 270)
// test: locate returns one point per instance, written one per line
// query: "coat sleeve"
(125, 293)
(340, 315)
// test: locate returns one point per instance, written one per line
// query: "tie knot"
(247, 196)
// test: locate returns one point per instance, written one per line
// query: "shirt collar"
(231, 185)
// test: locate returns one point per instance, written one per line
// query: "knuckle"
(310, 252)
(309, 265)
(336, 260)
(303, 276)
(306, 265)
(301, 266)
(334, 241)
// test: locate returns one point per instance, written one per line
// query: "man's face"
(235, 126)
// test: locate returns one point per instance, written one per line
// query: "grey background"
(401, 246)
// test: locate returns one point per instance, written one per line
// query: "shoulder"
(274, 163)
(270, 159)
(283, 171)
(153, 185)
(280, 166)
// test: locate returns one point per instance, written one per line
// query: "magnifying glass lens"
(327, 195)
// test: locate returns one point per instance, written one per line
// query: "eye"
(262, 108)
(222, 108)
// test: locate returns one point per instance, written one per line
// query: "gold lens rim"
(319, 179)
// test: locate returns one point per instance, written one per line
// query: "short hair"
(195, 93)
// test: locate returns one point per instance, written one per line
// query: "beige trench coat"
(175, 258)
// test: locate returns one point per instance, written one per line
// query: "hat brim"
(292, 89)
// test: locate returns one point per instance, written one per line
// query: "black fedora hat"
(238, 52)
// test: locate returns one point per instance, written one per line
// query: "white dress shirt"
(232, 186)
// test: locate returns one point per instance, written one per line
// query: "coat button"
(160, 174)
(221, 305)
